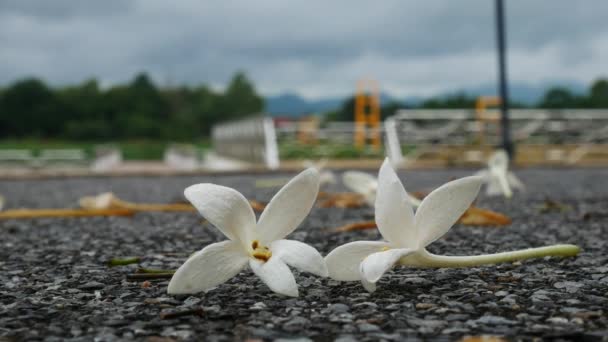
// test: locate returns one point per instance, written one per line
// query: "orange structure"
(367, 113)
(307, 130)
(483, 102)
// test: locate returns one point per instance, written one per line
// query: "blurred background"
(213, 84)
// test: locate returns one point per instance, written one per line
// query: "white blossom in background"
(260, 245)
(325, 176)
(367, 186)
(499, 180)
(407, 234)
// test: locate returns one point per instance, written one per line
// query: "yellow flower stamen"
(260, 252)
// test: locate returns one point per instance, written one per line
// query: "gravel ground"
(55, 283)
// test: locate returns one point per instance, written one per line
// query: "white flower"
(367, 185)
(406, 234)
(325, 176)
(259, 245)
(497, 176)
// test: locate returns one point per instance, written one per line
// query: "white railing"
(182, 157)
(251, 140)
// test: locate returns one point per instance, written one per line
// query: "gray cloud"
(316, 48)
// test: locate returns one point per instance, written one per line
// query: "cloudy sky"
(314, 48)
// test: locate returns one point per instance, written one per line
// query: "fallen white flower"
(325, 176)
(367, 185)
(261, 244)
(407, 235)
(499, 180)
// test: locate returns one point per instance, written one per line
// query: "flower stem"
(426, 259)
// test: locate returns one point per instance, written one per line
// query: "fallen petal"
(276, 275)
(206, 269)
(300, 255)
(343, 262)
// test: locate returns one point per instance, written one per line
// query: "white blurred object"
(325, 176)
(106, 158)
(499, 180)
(252, 140)
(182, 157)
(367, 185)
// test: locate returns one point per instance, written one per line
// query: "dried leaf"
(473, 216)
(356, 226)
(257, 206)
(153, 270)
(342, 200)
(36, 213)
(108, 200)
(482, 217)
(593, 215)
(550, 205)
(123, 261)
(483, 338)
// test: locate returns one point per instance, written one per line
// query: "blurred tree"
(84, 112)
(30, 108)
(598, 94)
(453, 101)
(558, 97)
(240, 98)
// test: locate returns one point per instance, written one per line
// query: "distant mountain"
(293, 105)
(526, 93)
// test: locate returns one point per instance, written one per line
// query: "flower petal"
(501, 178)
(289, 207)
(362, 183)
(224, 207)
(376, 264)
(515, 181)
(299, 255)
(499, 160)
(370, 287)
(443, 207)
(208, 268)
(394, 214)
(343, 262)
(276, 275)
(493, 187)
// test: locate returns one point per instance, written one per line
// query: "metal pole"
(507, 143)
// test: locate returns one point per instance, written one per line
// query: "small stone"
(298, 339)
(425, 306)
(92, 285)
(569, 286)
(557, 320)
(338, 308)
(295, 324)
(367, 327)
(259, 306)
(494, 320)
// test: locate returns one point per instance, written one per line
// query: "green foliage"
(137, 110)
(142, 149)
(333, 151)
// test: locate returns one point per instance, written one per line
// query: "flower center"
(260, 252)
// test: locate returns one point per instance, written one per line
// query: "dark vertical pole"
(502, 82)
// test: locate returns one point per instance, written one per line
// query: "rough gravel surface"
(55, 284)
